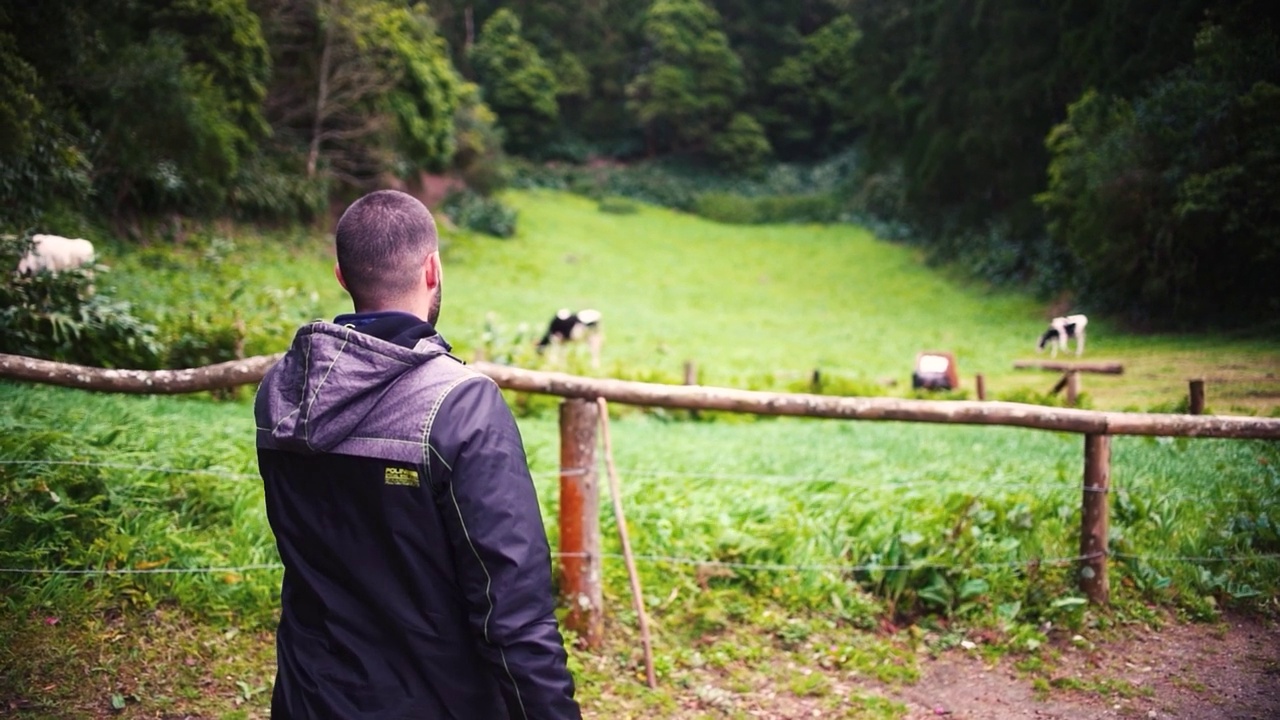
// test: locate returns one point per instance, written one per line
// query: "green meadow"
(764, 545)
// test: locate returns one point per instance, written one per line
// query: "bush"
(730, 208)
(742, 146)
(827, 384)
(475, 212)
(59, 316)
(197, 340)
(264, 191)
(618, 206)
(1031, 396)
(478, 158)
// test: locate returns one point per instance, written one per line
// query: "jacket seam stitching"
(430, 422)
(488, 584)
(306, 423)
(306, 361)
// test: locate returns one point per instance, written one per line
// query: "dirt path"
(1230, 670)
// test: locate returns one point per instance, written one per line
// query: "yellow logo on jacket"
(401, 476)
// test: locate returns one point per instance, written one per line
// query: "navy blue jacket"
(417, 576)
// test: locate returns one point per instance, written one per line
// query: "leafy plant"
(59, 316)
(473, 211)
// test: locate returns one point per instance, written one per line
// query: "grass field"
(823, 531)
(752, 306)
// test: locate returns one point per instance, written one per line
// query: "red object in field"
(935, 370)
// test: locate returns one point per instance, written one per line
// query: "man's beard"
(434, 314)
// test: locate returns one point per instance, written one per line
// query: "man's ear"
(337, 272)
(435, 273)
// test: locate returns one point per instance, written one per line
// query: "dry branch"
(145, 382)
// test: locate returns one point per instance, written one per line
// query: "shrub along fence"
(581, 556)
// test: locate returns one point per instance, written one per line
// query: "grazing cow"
(52, 253)
(569, 326)
(1061, 330)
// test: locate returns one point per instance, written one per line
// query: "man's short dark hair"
(383, 240)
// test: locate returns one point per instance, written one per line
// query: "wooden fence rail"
(969, 412)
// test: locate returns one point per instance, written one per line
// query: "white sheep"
(53, 253)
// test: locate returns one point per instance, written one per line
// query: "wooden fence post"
(1073, 388)
(580, 567)
(1195, 405)
(690, 373)
(980, 383)
(1094, 521)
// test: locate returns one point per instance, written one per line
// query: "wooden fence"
(579, 488)
(581, 571)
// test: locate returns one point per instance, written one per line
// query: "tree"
(365, 86)
(813, 109)
(429, 92)
(518, 84)
(690, 80)
(1169, 199)
(198, 68)
(742, 146)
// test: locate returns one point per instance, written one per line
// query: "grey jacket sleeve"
(491, 511)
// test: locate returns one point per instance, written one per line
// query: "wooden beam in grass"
(1105, 368)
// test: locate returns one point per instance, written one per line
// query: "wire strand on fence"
(139, 468)
(845, 482)
(143, 571)
(574, 472)
(674, 560)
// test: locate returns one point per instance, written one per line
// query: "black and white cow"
(569, 326)
(1061, 330)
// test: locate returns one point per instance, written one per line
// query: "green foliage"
(361, 90)
(812, 109)
(72, 504)
(769, 209)
(785, 192)
(618, 206)
(688, 89)
(59, 316)
(198, 69)
(429, 93)
(742, 146)
(197, 340)
(268, 190)
(1166, 200)
(479, 159)
(838, 385)
(487, 215)
(18, 102)
(518, 83)
(44, 177)
(215, 292)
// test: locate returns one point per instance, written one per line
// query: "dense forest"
(1123, 153)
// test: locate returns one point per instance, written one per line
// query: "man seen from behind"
(417, 579)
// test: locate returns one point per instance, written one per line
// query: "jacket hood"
(329, 381)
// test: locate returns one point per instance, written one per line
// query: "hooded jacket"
(417, 578)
